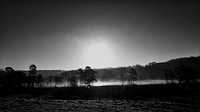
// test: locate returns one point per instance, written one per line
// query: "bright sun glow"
(99, 54)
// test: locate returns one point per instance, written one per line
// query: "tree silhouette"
(170, 77)
(50, 79)
(72, 78)
(32, 74)
(9, 69)
(123, 73)
(39, 80)
(20, 78)
(86, 76)
(133, 75)
(81, 75)
(65, 76)
(57, 79)
(9, 78)
(186, 74)
(89, 76)
(13, 78)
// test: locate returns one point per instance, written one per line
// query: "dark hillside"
(151, 71)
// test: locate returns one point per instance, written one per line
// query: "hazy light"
(98, 53)
(138, 82)
(111, 83)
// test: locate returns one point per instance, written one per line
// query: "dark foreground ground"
(151, 98)
(21, 104)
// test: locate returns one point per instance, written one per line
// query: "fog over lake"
(139, 82)
(111, 83)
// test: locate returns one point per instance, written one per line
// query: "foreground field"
(143, 98)
(26, 103)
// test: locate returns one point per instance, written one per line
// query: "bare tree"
(170, 77)
(57, 80)
(81, 75)
(72, 78)
(123, 74)
(133, 75)
(50, 79)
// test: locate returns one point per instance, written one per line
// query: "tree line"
(74, 78)
(182, 70)
(12, 78)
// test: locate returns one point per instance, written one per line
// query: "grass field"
(149, 98)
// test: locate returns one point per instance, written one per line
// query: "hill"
(152, 70)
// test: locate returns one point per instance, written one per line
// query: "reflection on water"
(107, 83)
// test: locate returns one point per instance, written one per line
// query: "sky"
(69, 35)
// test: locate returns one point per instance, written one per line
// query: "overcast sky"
(73, 34)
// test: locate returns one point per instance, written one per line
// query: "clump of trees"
(12, 78)
(57, 80)
(128, 74)
(182, 73)
(132, 76)
(84, 77)
(183, 70)
(124, 74)
(170, 76)
(186, 74)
